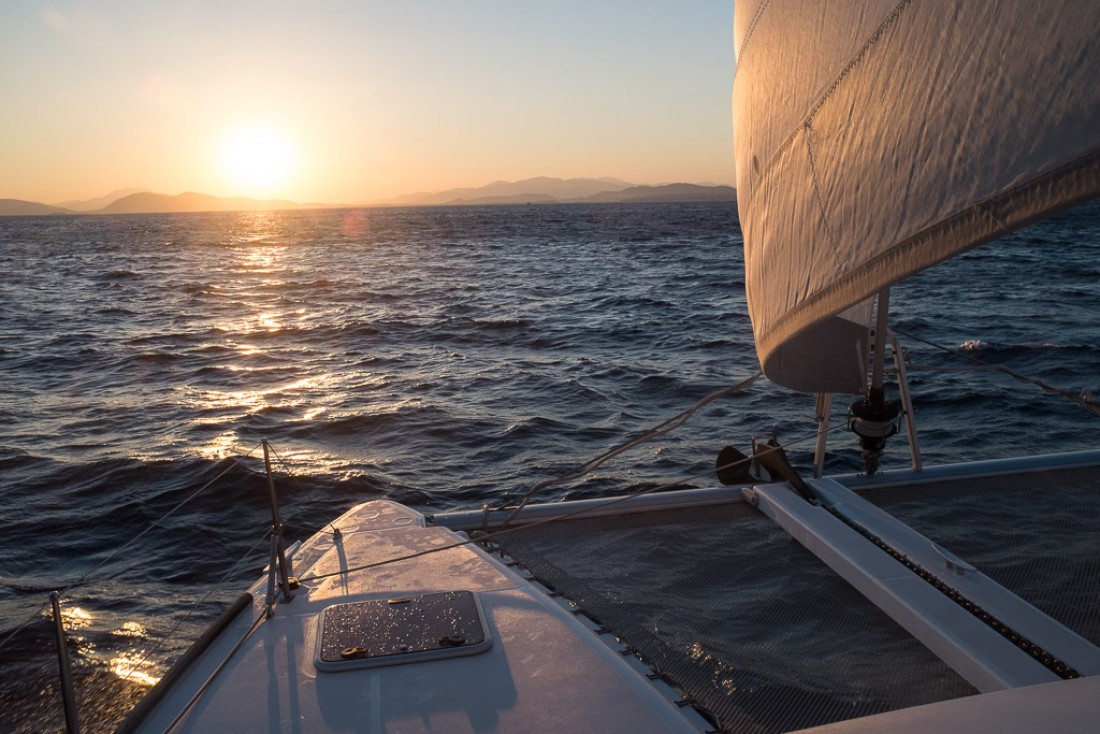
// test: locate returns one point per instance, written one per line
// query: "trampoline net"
(1036, 534)
(757, 633)
(762, 637)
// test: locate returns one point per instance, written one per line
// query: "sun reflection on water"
(130, 629)
(270, 321)
(300, 399)
(223, 446)
(252, 400)
(264, 371)
(262, 260)
(315, 412)
(75, 618)
(134, 667)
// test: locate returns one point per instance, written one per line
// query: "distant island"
(668, 192)
(20, 208)
(541, 190)
(146, 202)
(544, 190)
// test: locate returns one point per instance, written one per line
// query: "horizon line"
(408, 199)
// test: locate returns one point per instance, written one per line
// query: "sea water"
(442, 357)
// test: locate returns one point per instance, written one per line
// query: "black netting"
(1036, 534)
(748, 623)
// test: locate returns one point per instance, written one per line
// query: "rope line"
(84, 577)
(164, 638)
(659, 430)
(568, 515)
(260, 618)
(281, 460)
(1082, 400)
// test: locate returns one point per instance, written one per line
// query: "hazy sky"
(344, 101)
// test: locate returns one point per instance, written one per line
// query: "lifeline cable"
(84, 577)
(261, 618)
(659, 430)
(233, 464)
(1084, 400)
(167, 635)
(575, 513)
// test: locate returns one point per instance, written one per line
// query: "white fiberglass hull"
(545, 669)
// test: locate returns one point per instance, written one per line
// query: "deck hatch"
(401, 629)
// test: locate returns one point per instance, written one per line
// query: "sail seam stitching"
(871, 41)
(1087, 167)
(752, 27)
(840, 262)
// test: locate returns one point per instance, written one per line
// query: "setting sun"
(257, 159)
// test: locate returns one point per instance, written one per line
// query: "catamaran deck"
(702, 615)
(763, 636)
(541, 670)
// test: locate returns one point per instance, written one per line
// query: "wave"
(440, 357)
(121, 274)
(981, 345)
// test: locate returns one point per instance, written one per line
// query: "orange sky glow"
(354, 102)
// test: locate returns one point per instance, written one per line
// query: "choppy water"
(437, 356)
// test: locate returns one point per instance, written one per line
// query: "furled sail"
(875, 138)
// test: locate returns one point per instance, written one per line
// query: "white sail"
(875, 138)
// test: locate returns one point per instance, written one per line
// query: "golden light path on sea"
(134, 665)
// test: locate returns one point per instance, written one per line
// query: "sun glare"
(257, 160)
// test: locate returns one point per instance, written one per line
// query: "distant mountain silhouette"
(20, 208)
(92, 205)
(542, 188)
(555, 190)
(529, 198)
(148, 202)
(668, 192)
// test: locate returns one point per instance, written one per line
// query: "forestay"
(875, 138)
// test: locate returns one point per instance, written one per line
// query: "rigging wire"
(84, 577)
(290, 475)
(232, 465)
(659, 430)
(136, 665)
(205, 597)
(568, 515)
(1082, 400)
(281, 460)
(260, 618)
